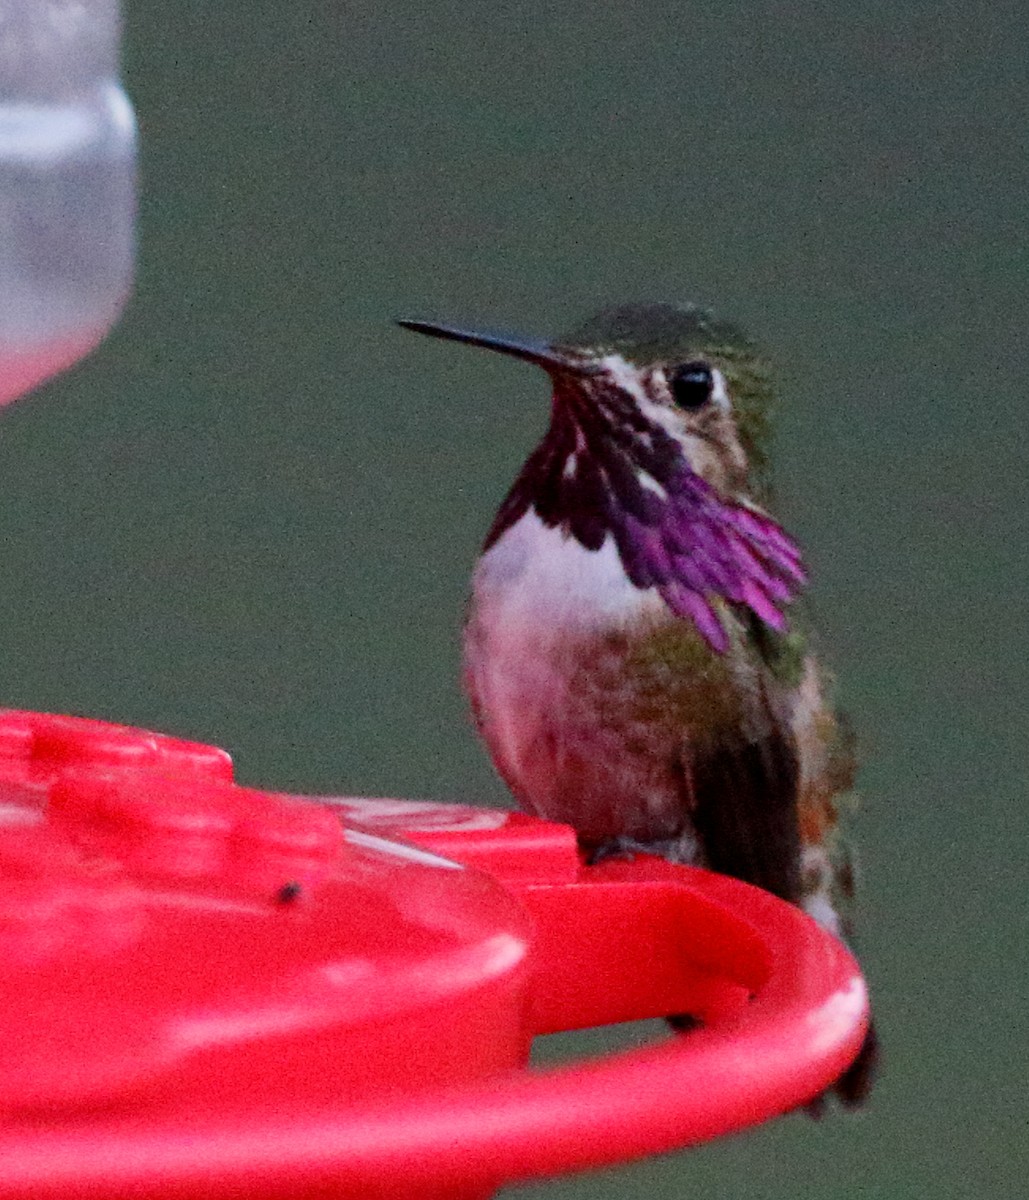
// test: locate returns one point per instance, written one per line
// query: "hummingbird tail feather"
(854, 1086)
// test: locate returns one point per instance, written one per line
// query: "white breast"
(537, 577)
(535, 594)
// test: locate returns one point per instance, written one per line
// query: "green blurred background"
(250, 517)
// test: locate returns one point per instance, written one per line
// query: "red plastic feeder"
(211, 991)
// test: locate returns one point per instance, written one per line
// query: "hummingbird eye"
(692, 384)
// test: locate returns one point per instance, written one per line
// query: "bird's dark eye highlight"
(692, 384)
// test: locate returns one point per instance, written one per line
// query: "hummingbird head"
(657, 440)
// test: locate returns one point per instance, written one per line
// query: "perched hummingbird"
(627, 652)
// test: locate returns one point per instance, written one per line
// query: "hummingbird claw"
(676, 849)
(618, 847)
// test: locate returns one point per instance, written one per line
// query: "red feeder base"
(214, 992)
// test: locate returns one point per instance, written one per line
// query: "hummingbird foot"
(617, 847)
(682, 849)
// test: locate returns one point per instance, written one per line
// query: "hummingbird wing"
(744, 798)
(745, 792)
(743, 771)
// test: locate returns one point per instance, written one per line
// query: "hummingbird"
(631, 653)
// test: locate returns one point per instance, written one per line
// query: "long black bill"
(533, 350)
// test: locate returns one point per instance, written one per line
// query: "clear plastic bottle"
(67, 186)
